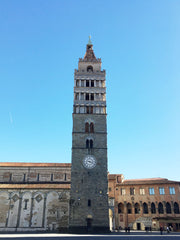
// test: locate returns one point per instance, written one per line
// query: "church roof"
(26, 164)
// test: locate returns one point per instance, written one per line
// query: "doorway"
(89, 224)
(138, 226)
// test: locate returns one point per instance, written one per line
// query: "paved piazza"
(117, 236)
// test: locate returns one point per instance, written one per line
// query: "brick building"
(144, 203)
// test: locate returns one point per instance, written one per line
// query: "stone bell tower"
(89, 184)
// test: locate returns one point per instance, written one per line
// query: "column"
(44, 211)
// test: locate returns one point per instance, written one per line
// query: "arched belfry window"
(87, 127)
(89, 143)
(89, 69)
(91, 127)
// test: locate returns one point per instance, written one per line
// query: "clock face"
(89, 162)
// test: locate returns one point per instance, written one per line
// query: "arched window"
(160, 208)
(89, 69)
(87, 143)
(129, 208)
(120, 208)
(153, 208)
(137, 208)
(86, 127)
(91, 143)
(145, 208)
(176, 208)
(91, 127)
(168, 208)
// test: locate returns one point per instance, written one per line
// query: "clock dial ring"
(89, 162)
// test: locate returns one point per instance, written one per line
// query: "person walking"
(161, 230)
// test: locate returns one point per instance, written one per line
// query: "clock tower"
(89, 184)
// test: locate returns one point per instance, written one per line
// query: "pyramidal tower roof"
(89, 55)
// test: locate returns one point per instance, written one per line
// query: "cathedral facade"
(82, 196)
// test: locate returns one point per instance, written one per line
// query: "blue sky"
(138, 41)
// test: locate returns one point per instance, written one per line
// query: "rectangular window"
(82, 96)
(171, 190)
(123, 191)
(81, 109)
(82, 83)
(87, 83)
(151, 191)
(132, 191)
(89, 203)
(142, 191)
(92, 83)
(161, 190)
(87, 96)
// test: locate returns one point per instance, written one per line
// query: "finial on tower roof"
(89, 42)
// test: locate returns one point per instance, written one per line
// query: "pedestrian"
(167, 229)
(161, 230)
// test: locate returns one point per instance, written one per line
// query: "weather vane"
(89, 42)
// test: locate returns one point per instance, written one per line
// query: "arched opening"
(91, 127)
(153, 208)
(176, 208)
(120, 208)
(87, 127)
(87, 143)
(89, 69)
(160, 208)
(168, 208)
(145, 208)
(129, 208)
(91, 143)
(137, 208)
